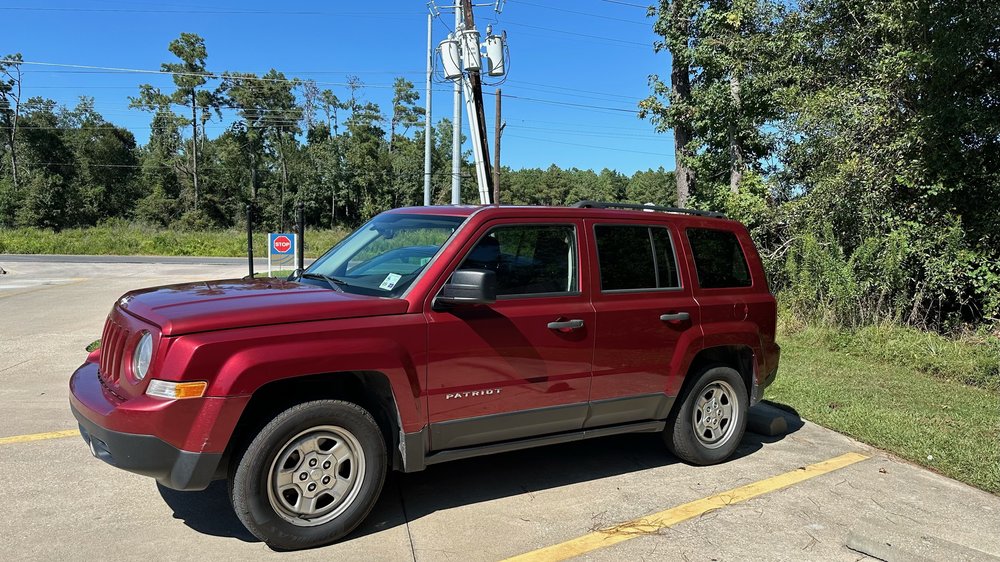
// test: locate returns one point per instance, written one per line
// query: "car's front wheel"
(709, 424)
(310, 476)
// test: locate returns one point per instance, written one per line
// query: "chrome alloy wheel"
(316, 475)
(715, 415)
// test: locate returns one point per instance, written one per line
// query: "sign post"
(281, 251)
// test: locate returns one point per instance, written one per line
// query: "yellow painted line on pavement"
(652, 523)
(38, 436)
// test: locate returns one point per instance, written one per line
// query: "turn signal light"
(176, 390)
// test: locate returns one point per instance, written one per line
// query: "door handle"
(675, 316)
(566, 325)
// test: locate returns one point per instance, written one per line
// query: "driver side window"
(528, 259)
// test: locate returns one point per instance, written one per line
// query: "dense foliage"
(859, 141)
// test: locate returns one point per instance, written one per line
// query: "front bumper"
(150, 456)
(180, 443)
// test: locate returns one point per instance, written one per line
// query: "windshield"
(384, 256)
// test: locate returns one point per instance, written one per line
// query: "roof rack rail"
(606, 205)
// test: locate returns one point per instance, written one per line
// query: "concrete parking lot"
(811, 494)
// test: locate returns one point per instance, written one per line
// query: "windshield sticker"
(390, 281)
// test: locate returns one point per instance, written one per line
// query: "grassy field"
(902, 391)
(140, 240)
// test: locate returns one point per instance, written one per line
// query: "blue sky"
(576, 72)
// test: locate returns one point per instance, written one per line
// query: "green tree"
(106, 162)
(10, 107)
(366, 161)
(651, 186)
(670, 107)
(268, 122)
(50, 199)
(726, 93)
(405, 113)
(189, 75)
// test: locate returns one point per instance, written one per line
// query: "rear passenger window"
(718, 258)
(635, 258)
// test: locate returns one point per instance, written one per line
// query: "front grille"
(113, 349)
(107, 387)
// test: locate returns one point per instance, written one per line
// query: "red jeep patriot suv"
(432, 334)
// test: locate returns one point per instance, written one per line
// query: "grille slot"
(108, 388)
(113, 349)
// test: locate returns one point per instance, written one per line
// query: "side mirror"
(468, 286)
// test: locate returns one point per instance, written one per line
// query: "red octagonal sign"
(282, 244)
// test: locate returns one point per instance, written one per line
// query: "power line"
(579, 96)
(581, 124)
(524, 98)
(629, 150)
(293, 72)
(646, 137)
(644, 6)
(570, 104)
(564, 88)
(582, 13)
(577, 34)
(119, 70)
(205, 12)
(169, 73)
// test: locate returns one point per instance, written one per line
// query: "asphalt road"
(59, 503)
(177, 260)
(167, 260)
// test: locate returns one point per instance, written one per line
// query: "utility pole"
(497, 129)
(456, 133)
(427, 114)
(462, 60)
(476, 87)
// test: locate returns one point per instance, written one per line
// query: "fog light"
(176, 390)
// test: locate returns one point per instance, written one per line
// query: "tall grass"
(122, 238)
(887, 388)
(971, 358)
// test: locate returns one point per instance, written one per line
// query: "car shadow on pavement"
(407, 497)
(208, 511)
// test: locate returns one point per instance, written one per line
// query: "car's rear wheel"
(710, 422)
(310, 476)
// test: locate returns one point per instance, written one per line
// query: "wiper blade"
(333, 282)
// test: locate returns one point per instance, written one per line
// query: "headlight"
(142, 356)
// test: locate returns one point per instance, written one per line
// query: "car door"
(521, 366)
(647, 319)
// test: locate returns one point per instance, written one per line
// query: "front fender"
(239, 362)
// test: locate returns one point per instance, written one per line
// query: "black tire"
(717, 440)
(282, 515)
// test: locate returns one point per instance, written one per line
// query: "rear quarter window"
(718, 258)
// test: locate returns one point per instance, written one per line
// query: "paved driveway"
(801, 496)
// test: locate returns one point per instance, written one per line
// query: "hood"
(238, 303)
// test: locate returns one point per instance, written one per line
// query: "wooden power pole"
(497, 129)
(476, 83)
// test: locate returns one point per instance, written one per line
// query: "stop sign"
(282, 244)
